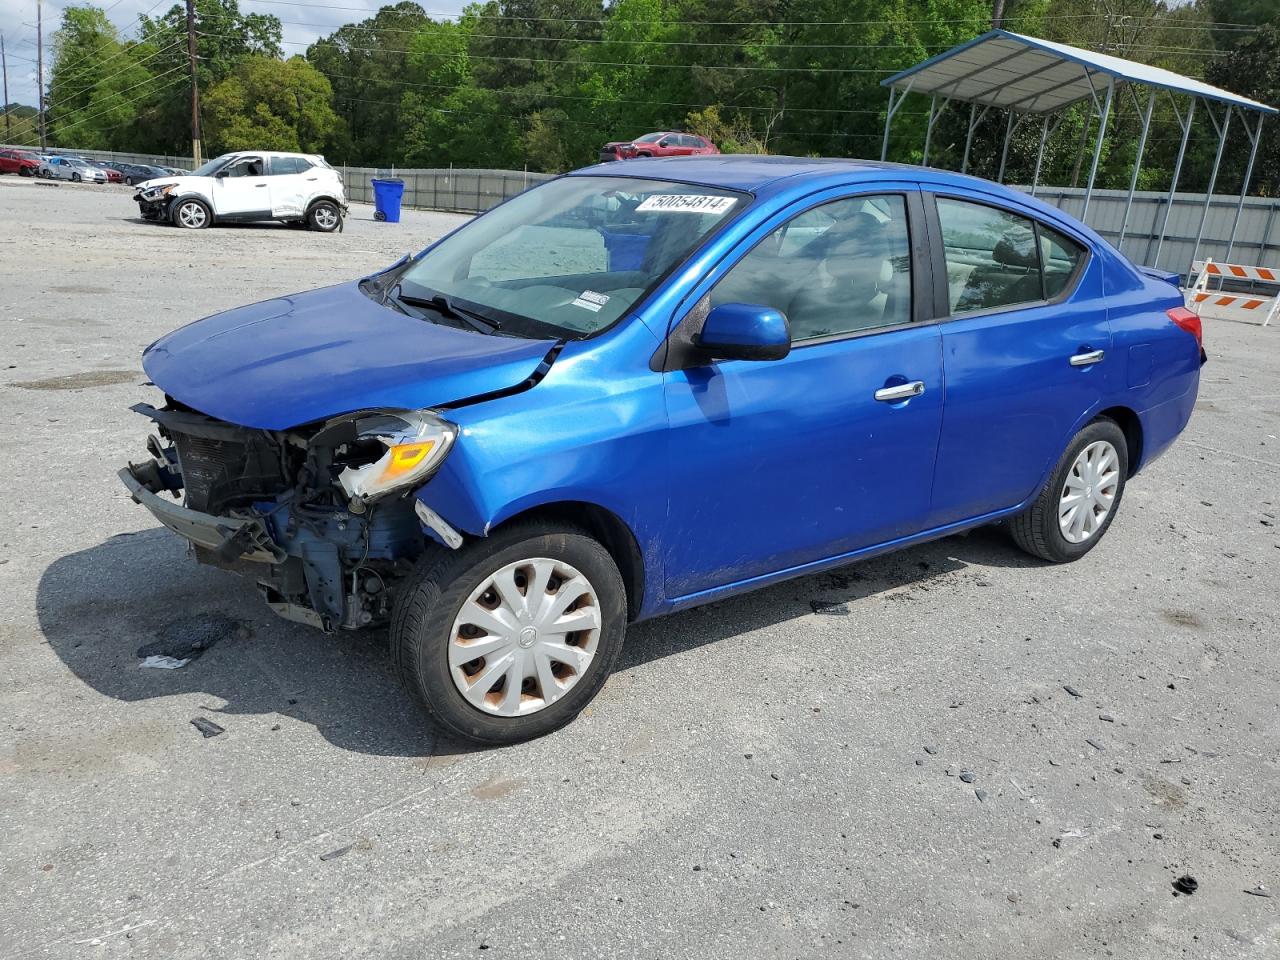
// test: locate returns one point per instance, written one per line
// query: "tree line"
(542, 84)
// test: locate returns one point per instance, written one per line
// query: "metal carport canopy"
(1015, 72)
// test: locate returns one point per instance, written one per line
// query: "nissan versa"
(617, 396)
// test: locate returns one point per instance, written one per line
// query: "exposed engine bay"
(308, 513)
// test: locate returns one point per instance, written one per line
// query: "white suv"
(249, 185)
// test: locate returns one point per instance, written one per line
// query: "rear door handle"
(902, 391)
(1085, 359)
(259, 185)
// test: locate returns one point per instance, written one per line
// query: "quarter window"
(1060, 257)
(991, 256)
(839, 268)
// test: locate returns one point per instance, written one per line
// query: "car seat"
(1013, 276)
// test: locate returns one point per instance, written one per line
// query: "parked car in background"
(547, 425)
(174, 171)
(667, 144)
(20, 162)
(73, 169)
(113, 174)
(135, 173)
(247, 186)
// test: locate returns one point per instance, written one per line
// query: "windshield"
(207, 168)
(573, 255)
(650, 138)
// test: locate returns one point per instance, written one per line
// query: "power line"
(138, 63)
(75, 123)
(603, 63)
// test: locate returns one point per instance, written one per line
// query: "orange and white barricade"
(1217, 305)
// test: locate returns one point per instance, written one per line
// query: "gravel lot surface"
(757, 780)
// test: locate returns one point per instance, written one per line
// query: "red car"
(668, 144)
(20, 162)
(113, 175)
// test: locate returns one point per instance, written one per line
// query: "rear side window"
(1060, 257)
(280, 166)
(991, 256)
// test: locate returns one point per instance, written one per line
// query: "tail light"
(1189, 322)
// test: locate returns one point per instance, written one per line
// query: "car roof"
(761, 175)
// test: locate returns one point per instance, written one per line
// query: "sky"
(18, 18)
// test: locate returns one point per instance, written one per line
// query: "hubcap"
(191, 215)
(1090, 491)
(326, 217)
(524, 637)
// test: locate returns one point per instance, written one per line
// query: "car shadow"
(97, 607)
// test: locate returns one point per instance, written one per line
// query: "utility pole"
(195, 90)
(40, 69)
(4, 68)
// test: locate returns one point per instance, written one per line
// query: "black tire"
(644, 153)
(1036, 529)
(75, 178)
(431, 596)
(128, 181)
(26, 172)
(181, 215)
(324, 216)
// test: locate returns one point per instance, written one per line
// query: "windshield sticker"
(686, 203)
(590, 300)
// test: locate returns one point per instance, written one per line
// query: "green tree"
(271, 104)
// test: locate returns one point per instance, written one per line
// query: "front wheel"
(324, 216)
(509, 637)
(1077, 505)
(75, 178)
(191, 214)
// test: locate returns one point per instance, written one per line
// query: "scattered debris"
(1093, 743)
(1186, 884)
(931, 750)
(775, 776)
(1072, 690)
(1054, 763)
(981, 795)
(967, 776)
(161, 662)
(697, 868)
(834, 608)
(335, 854)
(1106, 718)
(1259, 891)
(207, 727)
(919, 762)
(187, 638)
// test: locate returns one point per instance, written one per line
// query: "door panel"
(779, 463)
(1013, 393)
(244, 190)
(783, 462)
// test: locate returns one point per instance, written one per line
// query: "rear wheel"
(75, 178)
(509, 637)
(1080, 500)
(191, 214)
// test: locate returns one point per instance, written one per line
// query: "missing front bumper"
(228, 538)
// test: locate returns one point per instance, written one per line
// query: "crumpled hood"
(293, 360)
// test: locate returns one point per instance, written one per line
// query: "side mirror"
(744, 331)
(221, 173)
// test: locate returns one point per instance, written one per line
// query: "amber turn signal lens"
(405, 457)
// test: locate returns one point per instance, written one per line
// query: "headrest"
(1016, 249)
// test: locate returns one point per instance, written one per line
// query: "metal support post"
(1044, 135)
(1137, 165)
(968, 139)
(1177, 170)
(1097, 152)
(1222, 130)
(1009, 127)
(928, 130)
(1254, 137)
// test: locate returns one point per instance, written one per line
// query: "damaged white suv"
(247, 186)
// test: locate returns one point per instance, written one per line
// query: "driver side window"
(839, 268)
(247, 167)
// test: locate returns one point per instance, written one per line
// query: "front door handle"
(259, 185)
(901, 391)
(1085, 359)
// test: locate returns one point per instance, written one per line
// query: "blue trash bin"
(386, 199)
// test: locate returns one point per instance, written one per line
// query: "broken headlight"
(412, 445)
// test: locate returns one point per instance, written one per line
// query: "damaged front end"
(153, 201)
(317, 515)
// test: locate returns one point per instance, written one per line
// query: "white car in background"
(249, 185)
(73, 169)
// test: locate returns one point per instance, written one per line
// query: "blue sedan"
(620, 395)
